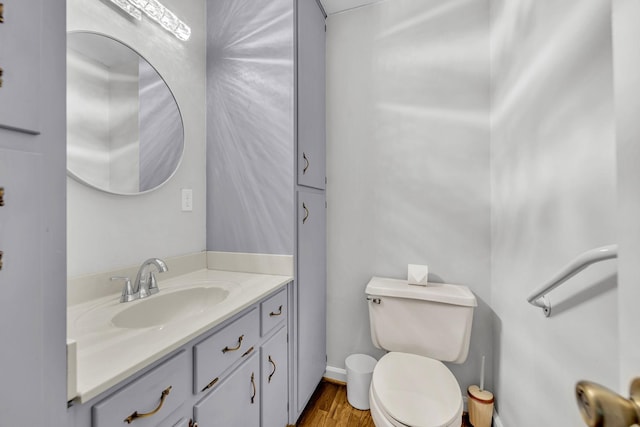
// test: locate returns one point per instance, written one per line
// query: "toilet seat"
(416, 391)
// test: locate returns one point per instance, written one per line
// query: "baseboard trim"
(336, 374)
(333, 381)
(496, 420)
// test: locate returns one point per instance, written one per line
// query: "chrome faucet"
(146, 284)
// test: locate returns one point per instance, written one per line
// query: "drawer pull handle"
(253, 385)
(306, 163)
(211, 384)
(1, 188)
(247, 352)
(278, 313)
(1, 13)
(1, 255)
(227, 348)
(136, 415)
(274, 369)
(306, 213)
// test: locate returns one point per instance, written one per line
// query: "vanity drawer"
(273, 311)
(149, 399)
(219, 351)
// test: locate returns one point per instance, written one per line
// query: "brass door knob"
(601, 407)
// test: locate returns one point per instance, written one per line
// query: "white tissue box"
(417, 274)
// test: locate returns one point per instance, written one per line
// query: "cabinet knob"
(237, 347)
(276, 313)
(253, 385)
(306, 163)
(274, 369)
(1, 191)
(306, 213)
(136, 415)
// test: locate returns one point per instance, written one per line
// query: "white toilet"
(421, 326)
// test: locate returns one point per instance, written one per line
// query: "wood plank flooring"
(328, 407)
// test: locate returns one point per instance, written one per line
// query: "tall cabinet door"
(33, 220)
(21, 308)
(311, 94)
(311, 292)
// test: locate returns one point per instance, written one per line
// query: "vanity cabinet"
(234, 375)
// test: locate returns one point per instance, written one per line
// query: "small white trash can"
(359, 373)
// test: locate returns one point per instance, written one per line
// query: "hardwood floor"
(328, 407)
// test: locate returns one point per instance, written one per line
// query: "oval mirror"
(124, 129)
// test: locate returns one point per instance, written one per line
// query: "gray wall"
(250, 89)
(407, 160)
(553, 177)
(105, 231)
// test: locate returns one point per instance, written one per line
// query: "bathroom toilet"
(420, 327)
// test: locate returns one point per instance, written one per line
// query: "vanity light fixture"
(129, 8)
(159, 13)
(163, 16)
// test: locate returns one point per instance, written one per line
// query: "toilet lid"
(416, 391)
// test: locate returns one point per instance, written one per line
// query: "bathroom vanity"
(212, 348)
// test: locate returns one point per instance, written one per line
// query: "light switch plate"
(187, 200)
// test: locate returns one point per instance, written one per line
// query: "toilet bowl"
(420, 327)
(416, 391)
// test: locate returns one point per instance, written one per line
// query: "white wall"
(626, 15)
(553, 177)
(407, 160)
(107, 231)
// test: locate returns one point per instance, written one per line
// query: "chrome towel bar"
(539, 299)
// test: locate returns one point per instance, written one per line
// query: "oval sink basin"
(160, 309)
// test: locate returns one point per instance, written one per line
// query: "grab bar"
(539, 299)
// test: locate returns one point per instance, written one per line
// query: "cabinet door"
(311, 294)
(21, 304)
(20, 60)
(235, 402)
(311, 95)
(274, 380)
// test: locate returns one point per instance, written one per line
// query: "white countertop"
(107, 354)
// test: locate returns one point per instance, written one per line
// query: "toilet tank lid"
(437, 292)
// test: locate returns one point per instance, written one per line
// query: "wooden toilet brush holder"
(480, 405)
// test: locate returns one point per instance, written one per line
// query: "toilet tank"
(432, 321)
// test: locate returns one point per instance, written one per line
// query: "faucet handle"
(127, 291)
(153, 284)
